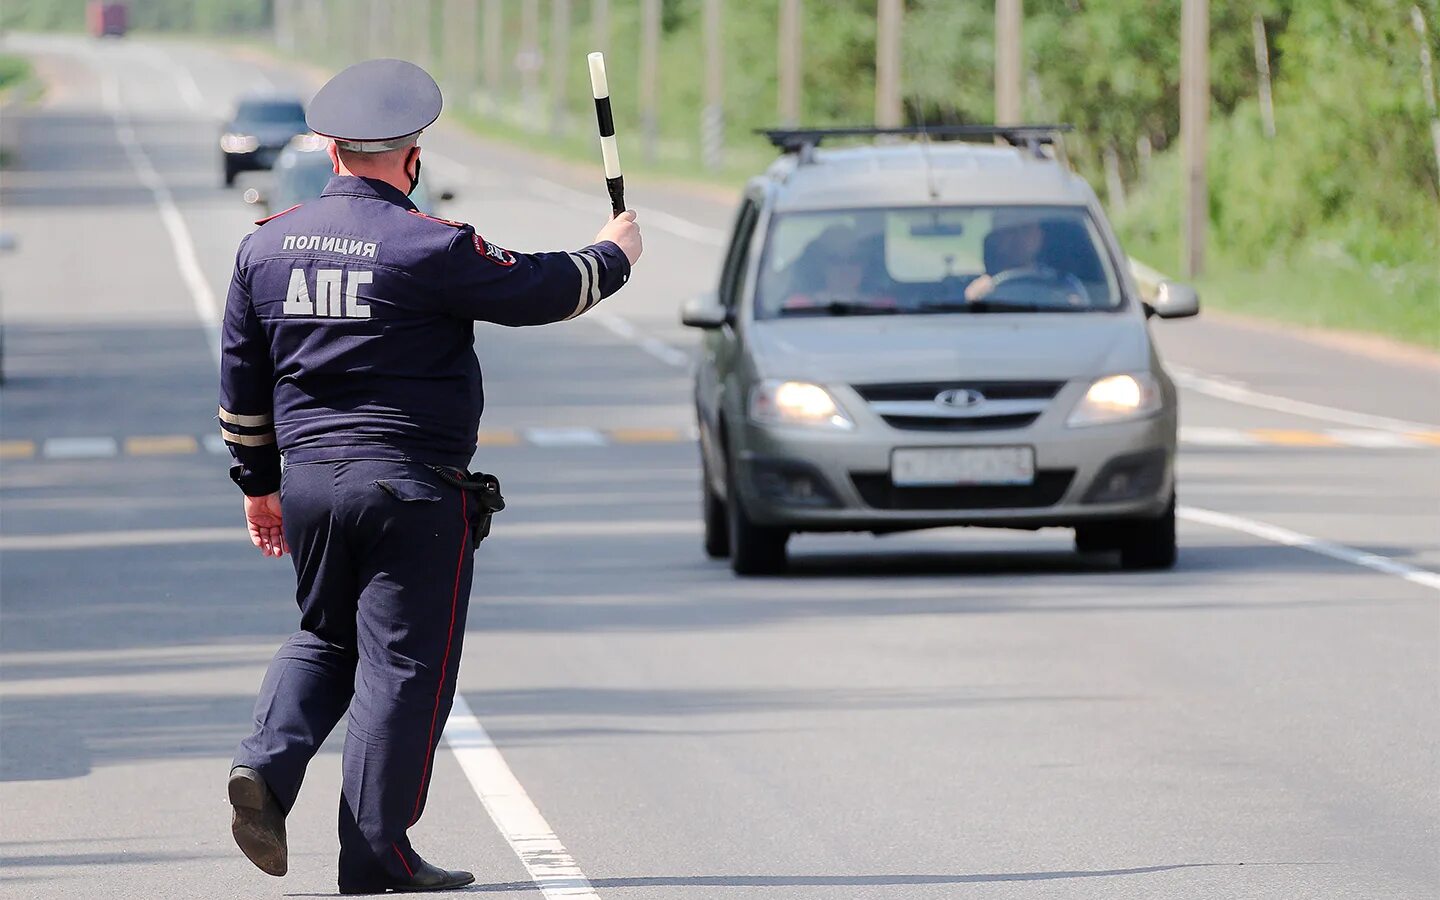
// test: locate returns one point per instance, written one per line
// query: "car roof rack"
(803, 141)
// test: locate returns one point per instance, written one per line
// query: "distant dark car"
(304, 168)
(259, 130)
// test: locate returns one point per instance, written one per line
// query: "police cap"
(376, 105)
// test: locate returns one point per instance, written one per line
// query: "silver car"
(914, 336)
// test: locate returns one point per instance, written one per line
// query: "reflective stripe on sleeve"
(594, 279)
(248, 440)
(244, 421)
(584, 270)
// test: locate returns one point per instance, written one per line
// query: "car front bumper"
(840, 481)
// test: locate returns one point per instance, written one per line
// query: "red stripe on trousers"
(403, 861)
(444, 663)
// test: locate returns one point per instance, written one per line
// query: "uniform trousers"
(383, 560)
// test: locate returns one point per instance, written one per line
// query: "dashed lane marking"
(161, 445)
(1190, 436)
(16, 449)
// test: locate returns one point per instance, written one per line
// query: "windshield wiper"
(996, 304)
(840, 308)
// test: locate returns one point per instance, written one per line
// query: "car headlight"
(239, 143)
(777, 402)
(1117, 398)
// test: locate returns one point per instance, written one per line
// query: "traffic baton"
(600, 87)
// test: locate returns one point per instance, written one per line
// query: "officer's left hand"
(262, 516)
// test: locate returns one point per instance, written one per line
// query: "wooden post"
(791, 17)
(1008, 57)
(1114, 183)
(600, 26)
(649, 77)
(889, 22)
(529, 62)
(1262, 70)
(559, 59)
(1417, 19)
(493, 42)
(712, 117)
(1194, 119)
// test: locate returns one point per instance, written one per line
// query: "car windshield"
(260, 112)
(961, 259)
(301, 176)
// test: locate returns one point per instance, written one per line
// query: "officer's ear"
(412, 157)
(334, 152)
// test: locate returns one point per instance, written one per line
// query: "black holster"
(484, 495)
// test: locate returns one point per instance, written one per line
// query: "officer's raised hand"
(624, 232)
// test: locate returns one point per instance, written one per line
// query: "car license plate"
(929, 467)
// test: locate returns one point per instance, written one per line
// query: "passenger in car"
(832, 269)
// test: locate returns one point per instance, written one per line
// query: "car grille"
(977, 423)
(879, 492)
(912, 407)
(993, 390)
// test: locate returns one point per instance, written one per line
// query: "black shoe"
(257, 822)
(425, 878)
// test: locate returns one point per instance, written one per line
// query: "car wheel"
(1149, 543)
(754, 549)
(717, 525)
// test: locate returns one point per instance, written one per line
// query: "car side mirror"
(447, 196)
(1175, 300)
(704, 311)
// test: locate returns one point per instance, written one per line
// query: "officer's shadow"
(860, 881)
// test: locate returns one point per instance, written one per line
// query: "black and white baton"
(600, 87)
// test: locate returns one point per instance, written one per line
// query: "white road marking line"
(206, 306)
(184, 80)
(1279, 535)
(80, 448)
(565, 437)
(1205, 436)
(1236, 392)
(624, 329)
(535, 843)
(587, 202)
(1370, 438)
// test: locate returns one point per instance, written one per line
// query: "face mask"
(415, 179)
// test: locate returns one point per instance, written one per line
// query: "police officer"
(348, 352)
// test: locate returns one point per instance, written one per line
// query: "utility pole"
(649, 77)
(492, 38)
(600, 26)
(1009, 15)
(791, 16)
(1194, 118)
(559, 57)
(1417, 19)
(1262, 71)
(889, 22)
(712, 117)
(529, 61)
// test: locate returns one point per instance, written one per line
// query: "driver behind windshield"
(1012, 252)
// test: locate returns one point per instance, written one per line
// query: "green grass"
(14, 70)
(1317, 291)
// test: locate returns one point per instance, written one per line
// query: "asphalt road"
(941, 715)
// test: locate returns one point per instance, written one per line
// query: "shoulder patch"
(279, 214)
(450, 222)
(493, 252)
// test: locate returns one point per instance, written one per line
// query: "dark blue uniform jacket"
(349, 333)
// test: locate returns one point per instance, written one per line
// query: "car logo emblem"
(960, 398)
